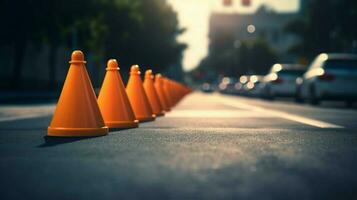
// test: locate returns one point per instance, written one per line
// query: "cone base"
(160, 114)
(77, 132)
(122, 124)
(146, 119)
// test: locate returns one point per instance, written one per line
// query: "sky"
(194, 16)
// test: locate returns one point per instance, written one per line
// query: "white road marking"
(246, 111)
(284, 115)
(11, 113)
(213, 114)
(12, 118)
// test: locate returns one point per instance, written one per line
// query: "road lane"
(328, 113)
(277, 113)
(19, 112)
(217, 151)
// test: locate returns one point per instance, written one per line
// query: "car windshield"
(346, 64)
(291, 72)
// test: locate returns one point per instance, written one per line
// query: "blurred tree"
(134, 31)
(146, 35)
(19, 27)
(44, 22)
(60, 20)
(326, 27)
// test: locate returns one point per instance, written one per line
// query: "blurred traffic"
(329, 77)
(275, 53)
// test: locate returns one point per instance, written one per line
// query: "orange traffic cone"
(77, 113)
(167, 92)
(160, 92)
(180, 90)
(152, 94)
(113, 100)
(137, 96)
(175, 91)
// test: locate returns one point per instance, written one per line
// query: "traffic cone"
(137, 96)
(113, 100)
(175, 91)
(180, 88)
(77, 113)
(167, 92)
(152, 94)
(160, 92)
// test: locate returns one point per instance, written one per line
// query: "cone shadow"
(54, 141)
(120, 129)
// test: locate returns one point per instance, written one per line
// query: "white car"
(281, 80)
(330, 77)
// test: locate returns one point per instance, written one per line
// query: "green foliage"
(133, 31)
(328, 26)
(143, 32)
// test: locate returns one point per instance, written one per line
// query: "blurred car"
(253, 86)
(243, 80)
(228, 85)
(330, 77)
(281, 80)
(207, 87)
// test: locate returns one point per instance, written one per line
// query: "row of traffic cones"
(79, 113)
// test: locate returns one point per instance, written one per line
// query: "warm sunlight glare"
(194, 16)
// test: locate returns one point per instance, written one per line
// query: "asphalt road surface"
(208, 147)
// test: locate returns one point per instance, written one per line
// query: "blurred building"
(263, 24)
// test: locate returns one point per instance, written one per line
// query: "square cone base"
(122, 124)
(77, 132)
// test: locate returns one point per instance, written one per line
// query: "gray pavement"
(209, 147)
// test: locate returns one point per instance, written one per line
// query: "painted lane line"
(280, 114)
(214, 114)
(13, 118)
(12, 113)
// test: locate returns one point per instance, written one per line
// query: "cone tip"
(77, 55)
(158, 77)
(112, 64)
(135, 69)
(148, 72)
